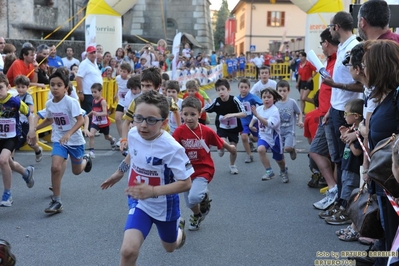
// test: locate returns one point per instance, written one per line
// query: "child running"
(192, 90)
(196, 140)
(264, 82)
(22, 84)
(134, 86)
(248, 100)
(99, 121)
(65, 117)
(288, 109)
(228, 111)
(11, 107)
(121, 80)
(269, 133)
(154, 182)
(173, 90)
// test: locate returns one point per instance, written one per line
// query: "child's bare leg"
(77, 168)
(233, 156)
(58, 166)
(118, 122)
(245, 143)
(6, 173)
(109, 138)
(263, 157)
(93, 131)
(132, 241)
(281, 164)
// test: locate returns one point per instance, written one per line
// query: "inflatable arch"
(103, 23)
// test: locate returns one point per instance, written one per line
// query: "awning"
(192, 39)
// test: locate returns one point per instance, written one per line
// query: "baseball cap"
(91, 49)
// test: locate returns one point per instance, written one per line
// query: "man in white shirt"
(87, 75)
(69, 60)
(258, 61)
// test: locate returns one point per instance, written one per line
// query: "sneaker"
(330, 211)
(322, 182)
(92, 154)
(182, 224)
(252, 147)
(30, 182)
(205, 206)
(194, 222)
(118, 144)
(221, 152)
(249, 159)
(97, 134)
(339, 218)
(39, 155)
(6, 200)
(328, 200)
(314, 180)
(268, 175)
(233, 170)
(113, 144)
(89, 163)
(54, 207)
(293, 154)
(284, 176)
(6, 257)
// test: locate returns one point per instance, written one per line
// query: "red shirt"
(389, 35)
(200, 159)
(325, 90)
(199, 97)
(19, 68)
(266, 60)
(305, 71)
(311, 124)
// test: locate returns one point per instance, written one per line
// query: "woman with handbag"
(381, 64)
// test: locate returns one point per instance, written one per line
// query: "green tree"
(222, 14)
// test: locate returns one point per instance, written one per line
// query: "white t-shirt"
(122, 89)
(90, 74)
(258, 61)
(259, 86)
(129, 97)
(342, 75)
(186, 53)
(64, 115)
(68, 63)
(1, 62)
(272, 115)
(157, 162)
(172, 120)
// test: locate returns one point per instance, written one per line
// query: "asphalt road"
(251, 222)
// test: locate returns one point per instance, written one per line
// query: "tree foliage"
(222, 16)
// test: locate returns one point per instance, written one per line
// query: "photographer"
(147, 52)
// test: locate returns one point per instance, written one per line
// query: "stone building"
(148, 19)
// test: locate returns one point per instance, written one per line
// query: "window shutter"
(269, 18)
(282, 19)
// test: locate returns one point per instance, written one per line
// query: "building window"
(242, 21)
(170, 23)
(241, 48)
(275, 18)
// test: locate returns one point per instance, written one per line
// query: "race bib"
(247, 107)
(149, 180)
(7, 128)
(228, 123)
(99, 120)
(62, 122)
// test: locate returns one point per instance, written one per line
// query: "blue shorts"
(138, 219)
(230, 70)
(242, 68)
(276, 149)
(76, 152)
(248, 131)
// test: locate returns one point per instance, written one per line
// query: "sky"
(215, 4)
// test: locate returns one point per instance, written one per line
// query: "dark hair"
(97, 86)
(173, 85)
(382, 62)
(8, 60)
(376, 13)
(264, 68)
(344, 20)
(192, 102)
(25, 51)
(126, 66)
(116, 52)
(222, 82)
(153, 75)
(283, 84)
(276, 97)
(133, 82)
(302, 54)
(154, 98)
(4, 79)
(165, 76)
(245, 81)
(355, 106)
(74, 65)
(9, 48)
(356, 55)
(21, 80)
(62, 76)
(41, 59)
(326, 36)
(68, 48)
